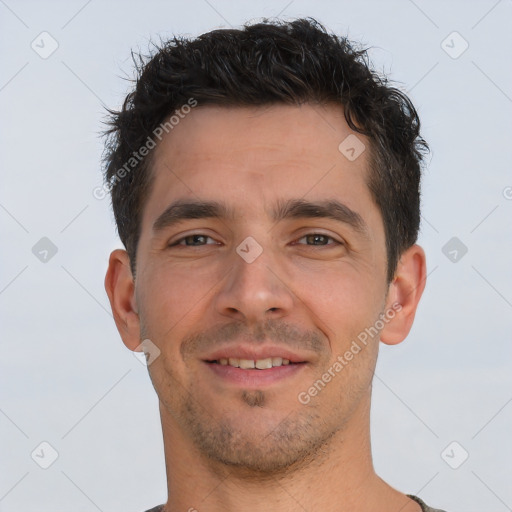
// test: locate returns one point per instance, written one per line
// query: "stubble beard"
(264, 452)
(254, 451)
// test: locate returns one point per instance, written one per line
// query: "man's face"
(260, 274)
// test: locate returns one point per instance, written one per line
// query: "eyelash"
(336, 242)
(179, 242)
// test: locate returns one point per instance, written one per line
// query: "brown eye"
(194, 240)
(318, 239)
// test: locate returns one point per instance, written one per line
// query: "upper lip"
(255, 353)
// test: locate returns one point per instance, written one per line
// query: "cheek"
(343, 305)
(172, 306)
(172, 297)
(343, 298)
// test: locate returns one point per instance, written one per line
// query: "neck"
(340, 478)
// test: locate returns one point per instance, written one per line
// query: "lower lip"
(255, 378)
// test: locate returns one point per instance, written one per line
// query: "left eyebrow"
(330, 209)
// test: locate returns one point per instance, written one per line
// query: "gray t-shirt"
(423, 505)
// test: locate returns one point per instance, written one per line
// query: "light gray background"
(66, 377)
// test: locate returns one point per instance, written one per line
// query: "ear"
(120, 289)
(404, 295)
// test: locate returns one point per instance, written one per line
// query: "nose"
(255, 291)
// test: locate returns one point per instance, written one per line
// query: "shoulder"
(159, 508)
(423, 505)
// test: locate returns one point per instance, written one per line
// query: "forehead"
(255, 156)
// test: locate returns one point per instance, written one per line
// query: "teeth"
(260, 364)
(246, 364)
(263, 364)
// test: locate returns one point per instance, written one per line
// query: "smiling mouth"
(253, 364)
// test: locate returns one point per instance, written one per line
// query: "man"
(265, 184)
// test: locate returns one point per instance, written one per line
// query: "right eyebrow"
(185, 209)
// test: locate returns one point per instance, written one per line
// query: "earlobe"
(120, 289)
(406, 290)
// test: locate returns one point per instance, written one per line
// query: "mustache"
(276, 331)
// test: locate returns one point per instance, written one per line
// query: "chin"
(265, 443)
